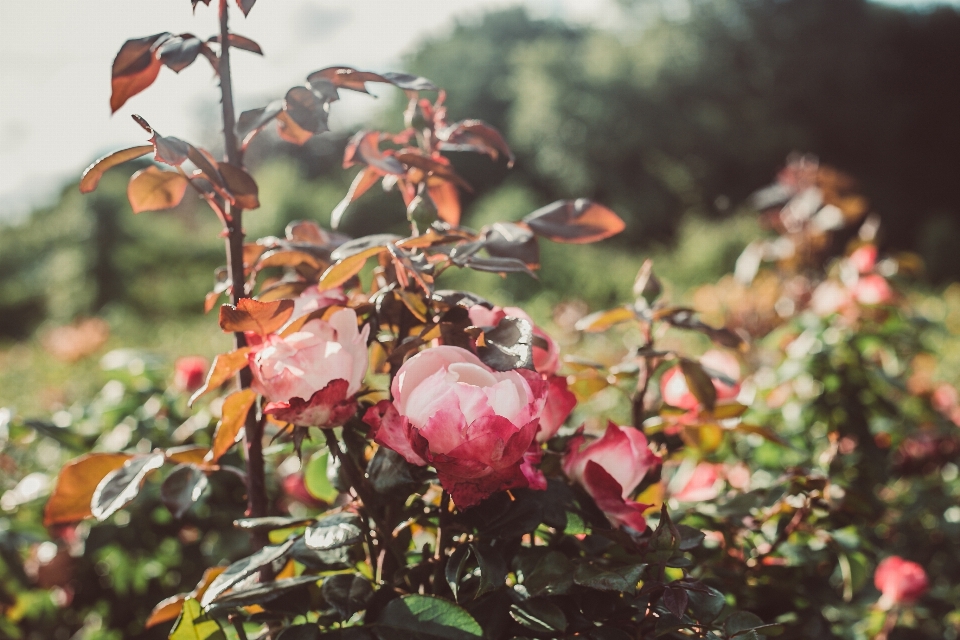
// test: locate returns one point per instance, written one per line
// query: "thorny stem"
(385, 538)
(443, 535)
(253, 429)
(638, 403)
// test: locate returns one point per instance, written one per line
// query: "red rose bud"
(190, 372)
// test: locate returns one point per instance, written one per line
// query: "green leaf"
(741, 622)
(493, 568)
(706, 603)
(315, 478)
(389, 472)
(430, 616)
(333, 532)
(552, 575)
(699, 383)
(539, 615)
(690, 538)
(192, 625)
(347, 594)
(272, 522)
(620, 579)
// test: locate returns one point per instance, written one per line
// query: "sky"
(55, 58)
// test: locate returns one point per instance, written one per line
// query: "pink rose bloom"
(310, 376)
(610, 468)
(474, 425)
(702, 485)
(190, 372)
(899, 581)
(560, 400)
(864, 258)
(872, 290)
(312, 299)
(676, 393)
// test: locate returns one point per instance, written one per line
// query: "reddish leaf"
(699, 383)
(168, 609)
(241, 185)
(70, 500)
(250, 122)
(93, 173)
(188, 454)
(135, 68)
(230, 428)
(326, 81)
(603, 320)
(288, 258)
(225, 366)
(364, 180)
(151, 189)
(205, 162)
(345, 269)
(409, 82)
(239, 42)
(170, 150)
(306, 109)
(433, 166)
(675, 600)
(246, 5)
(365, 147)
(253, 315)
(446, 200)
(306, 231)
(574, 221)
(289, 130)
(475, 135)
(179, 52)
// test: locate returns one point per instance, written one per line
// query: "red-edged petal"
(389, 429)
(560, 402)
(328, 407)
(606, 492)
(467, 492)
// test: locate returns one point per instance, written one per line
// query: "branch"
(257, 505)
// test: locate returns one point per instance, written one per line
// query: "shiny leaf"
(134, 69)
(230, 428)
(225, 366)
(152, 189)
(76, 484)
(575, 221)
(93, 173)
(262, 318)
(182, 488)
(119, 487)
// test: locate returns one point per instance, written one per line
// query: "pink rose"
(676, 393)
(702, 484)
(610, 468)
(474, 425)
(872, 290)
(864, 258)
(310, 376)
(899, 581)
(190, 373)
(312, 299)
(560, 400)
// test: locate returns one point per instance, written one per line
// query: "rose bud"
(899, 581)
(864, 258)
(474, 425)
(310, 376)
(189, 373)
(610, 468)
(676, 393)
(560, 400)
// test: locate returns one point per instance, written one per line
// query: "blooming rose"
(676, 393)
(312, 299)
(560, 400)
(864, 258)
(309, 376)
(474, 425)
(189, 373)
(872, 290)
(899, 581)
(610, 468)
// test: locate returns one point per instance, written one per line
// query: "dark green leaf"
(706, 603)
(577, 221)
(347, 594)
(552, 575)
(456, 565)
(243, 568)
(675, 600)
(182, 488)
(271, 523)
(493, 568)
(621, 579)
(539, 615)
(430, 616)
(262, 594)
(508, 346)
(699, 383)
(333, 532)
(389, 472)
(690, 538)
(740, 622)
